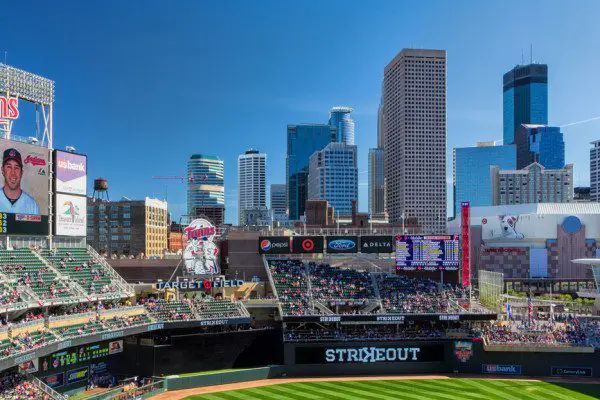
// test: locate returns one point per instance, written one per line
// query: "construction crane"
(189, 180)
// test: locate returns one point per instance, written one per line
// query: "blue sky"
(141, 85)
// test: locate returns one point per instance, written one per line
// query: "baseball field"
(413, 389)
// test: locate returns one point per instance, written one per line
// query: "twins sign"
(200, 255)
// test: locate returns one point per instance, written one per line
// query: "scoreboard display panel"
(427, 253)
(74, 356)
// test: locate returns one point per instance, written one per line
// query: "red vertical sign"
(465, 208)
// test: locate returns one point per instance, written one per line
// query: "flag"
(530, 308)
(509, 311)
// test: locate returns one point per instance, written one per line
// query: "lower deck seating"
(89, 328)
(170, 310)
(218, 309)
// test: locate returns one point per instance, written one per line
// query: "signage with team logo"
(55, 380)
(342, 244)
(463, 350)
(274, 244)
(29, 367)
(115, 347)
(200, 254)
(376, 244)
(307, 244)
(70, 215)
(24, 187)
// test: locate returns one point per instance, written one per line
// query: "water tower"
(101, 188)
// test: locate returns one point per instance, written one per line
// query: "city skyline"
(100, 75)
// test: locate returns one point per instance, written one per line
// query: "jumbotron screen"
(427, 253)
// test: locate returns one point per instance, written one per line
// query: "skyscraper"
(278, 200)
(540, 143)
(472, 175)
(206, 190)
(532, 184)
(302, 141)
(339, 118)
(252, 186)
(377, 206)
(414, 100)
(595, 171)
(525, 98)
(376, 183)
(333, 176)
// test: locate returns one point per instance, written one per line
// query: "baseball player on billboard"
(13, 198)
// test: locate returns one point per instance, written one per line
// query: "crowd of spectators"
(14, 386)
(8, 295)
(546, 333)
(290, 282)
(408, 295)
(333, 285)
(377, 332)
(591, 327)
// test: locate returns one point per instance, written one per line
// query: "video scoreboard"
(427, 253)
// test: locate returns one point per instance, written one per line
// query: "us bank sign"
(372, 354)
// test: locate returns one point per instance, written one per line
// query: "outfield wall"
(378, 358)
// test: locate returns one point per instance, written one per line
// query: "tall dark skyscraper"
(525, 98)
(302, 141)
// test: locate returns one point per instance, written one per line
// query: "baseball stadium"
(285, 314)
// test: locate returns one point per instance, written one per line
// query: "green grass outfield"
(443, 389)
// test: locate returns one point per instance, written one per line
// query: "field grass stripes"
(439, 389)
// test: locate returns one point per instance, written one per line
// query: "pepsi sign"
(274, 244)
(342, 244)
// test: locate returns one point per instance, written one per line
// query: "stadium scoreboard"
(427, 253)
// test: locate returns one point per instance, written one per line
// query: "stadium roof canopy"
(539, 208)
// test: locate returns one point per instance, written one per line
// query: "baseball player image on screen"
(13, 199)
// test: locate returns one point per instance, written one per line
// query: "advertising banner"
(501, 369)
(70, 173)
(29, 367)
(307, 244)
(463, 350)
(77, 375)
(25, 186)
(115, 347)
(369, 354)
(71, 215)
(54, 381)
(376, 244)
(428, 253)
(466, 249)
(274, 245)
(581, 372)
(342, 244)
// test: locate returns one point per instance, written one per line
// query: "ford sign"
(342, 244)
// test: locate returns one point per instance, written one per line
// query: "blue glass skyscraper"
(333, 176)
(302, 141)
(339, 118)
(206, 190)
(525, 98)
(472, 175)
(542, 144)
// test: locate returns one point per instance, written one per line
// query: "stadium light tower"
(34, 89)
